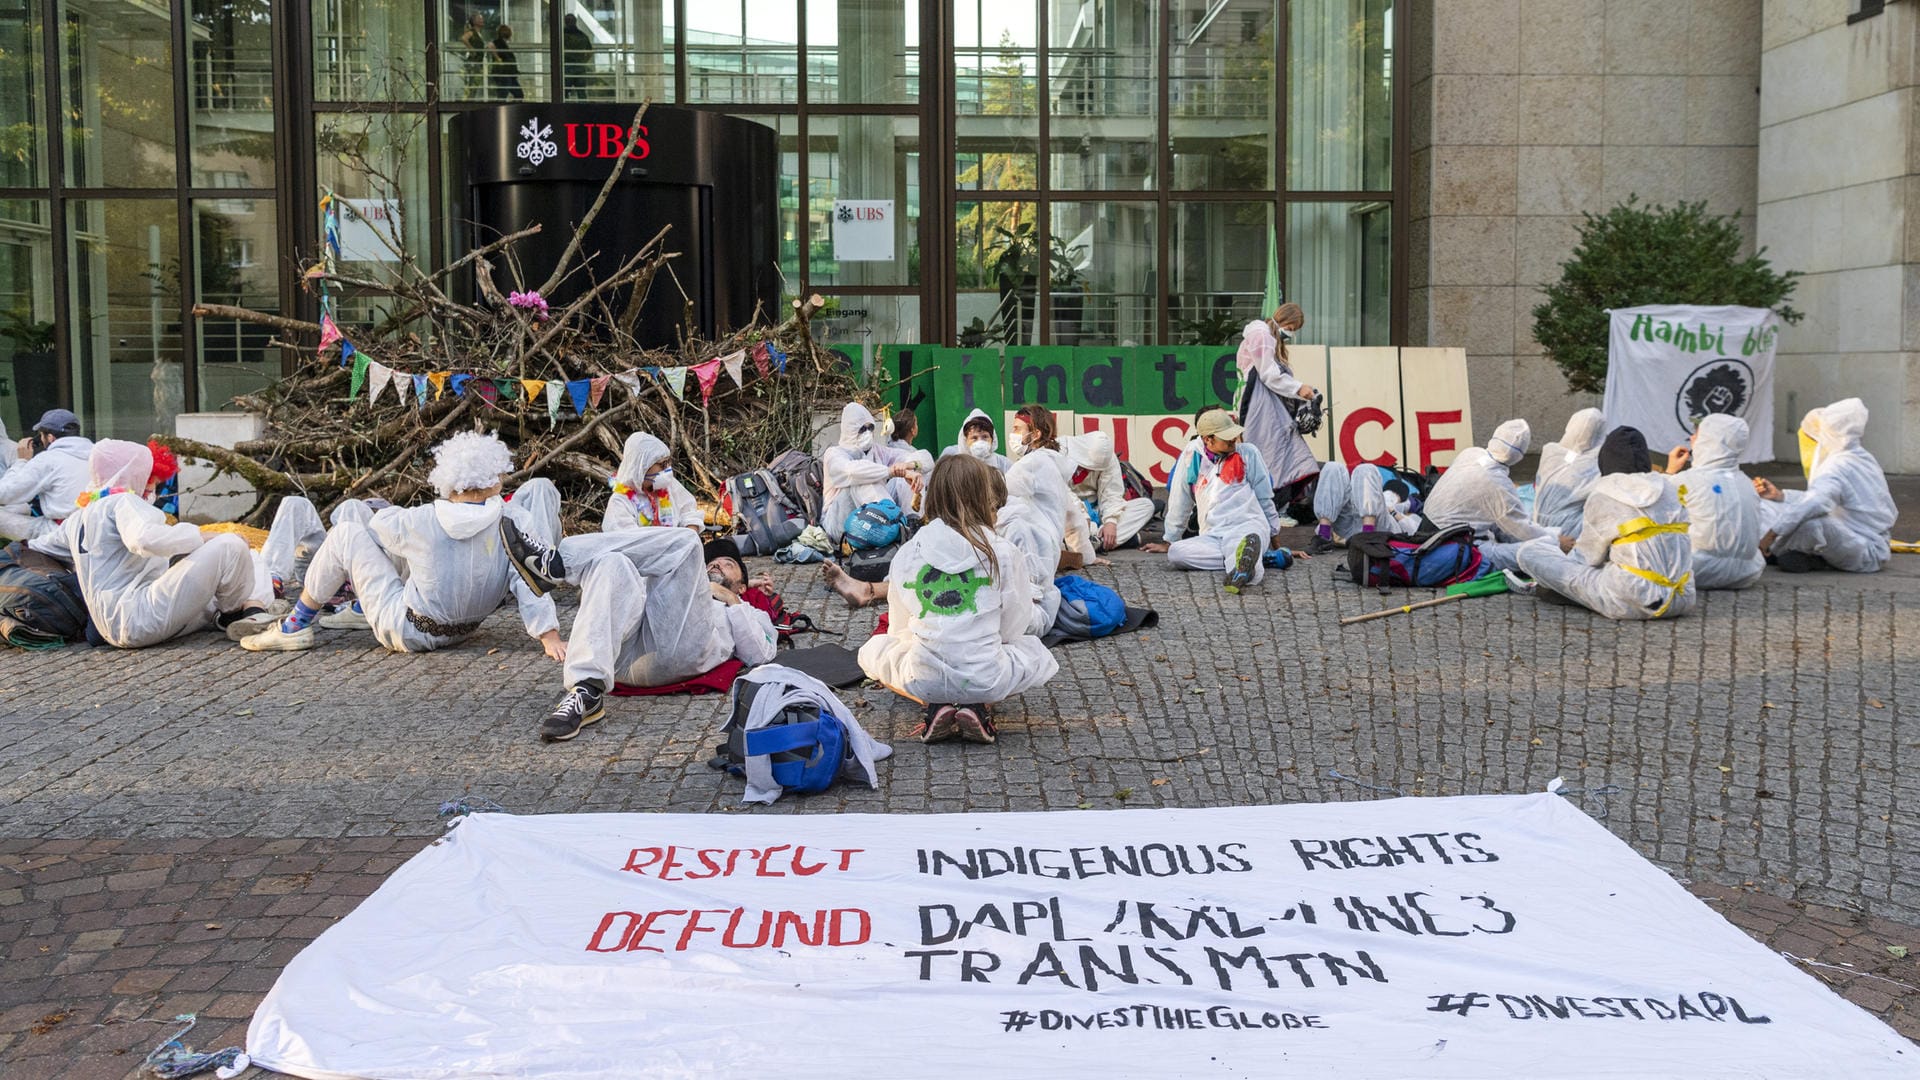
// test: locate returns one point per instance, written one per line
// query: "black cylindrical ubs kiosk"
(711, 177)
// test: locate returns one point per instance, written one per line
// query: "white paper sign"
(1477, 936)
(363, 224)
(1670, 364)
(863, 230)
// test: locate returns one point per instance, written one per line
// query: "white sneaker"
(345, 619)
(276, 639)
(1287, 522)
(242, 629)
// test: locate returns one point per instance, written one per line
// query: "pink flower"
(529, 301)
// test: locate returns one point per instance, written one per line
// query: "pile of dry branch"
(328, 444)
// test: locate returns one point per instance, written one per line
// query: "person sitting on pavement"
(656, 608)
(1095, 476)
(146, 581)
(1477, 490)
(645, 492)
(1633, 559)
(39, 491)
(426, 577)
(979, 438)
(905, 428)
(1723, 510)
(1039, 514)
(1231, 493)
(857, 471)
(1568, 470)
(1034, 428)
(1844, 520)
(959, 611)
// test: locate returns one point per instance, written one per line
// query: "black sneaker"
(539, 565)
(1320, 545)
(1245, 558)
(1798, 562)
(584, 704)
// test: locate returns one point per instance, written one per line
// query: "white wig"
(470, 461)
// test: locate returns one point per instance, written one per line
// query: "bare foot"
(856, 593)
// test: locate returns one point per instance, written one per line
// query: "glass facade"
(1063, 171)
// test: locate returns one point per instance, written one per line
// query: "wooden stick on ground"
(1436, 602)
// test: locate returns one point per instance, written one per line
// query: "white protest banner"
(863, 230)
(1670, 364)
(1477, 936)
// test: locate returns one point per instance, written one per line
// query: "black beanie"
(1625, 451)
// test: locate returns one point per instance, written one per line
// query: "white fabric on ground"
(801, 689)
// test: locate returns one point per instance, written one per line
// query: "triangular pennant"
(439, 381)
(403, 386)
(378, 376)
(503, 389)
(598, 390)
(420, 390)
(459, 383)
(676, 381)
(360, 365)
(329, 332)
(779, 358)
(553, 402)
(489, 393)
(577, 392)
(734, 365)
(708, 374)
(346, 353)
(762, 360)
(630, 382)
(533, 387)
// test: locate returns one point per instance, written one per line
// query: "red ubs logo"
(606, 141)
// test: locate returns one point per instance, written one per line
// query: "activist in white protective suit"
(1092, 471)
(902, 428)
(1845, 517)
(1567, 472)
(645, 491)
(979, 437)
(1723, 511)
(146, 581)
(51, 469)
(1227, 486)
(858, 470)
(426, 577)
(1351, 501)
(1477, 490)
(654, 611)
(1633, 559)
(1039, 515)
(959, 611)
(1267, 384)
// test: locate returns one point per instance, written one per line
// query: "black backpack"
(1385, 560)
(798, 474)
(764, 520)
(40, 602)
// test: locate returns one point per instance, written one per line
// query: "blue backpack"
(1445, 558)
(875, 525)
(805, 748)
(1087, 608)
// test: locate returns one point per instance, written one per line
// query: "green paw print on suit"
(942, 593)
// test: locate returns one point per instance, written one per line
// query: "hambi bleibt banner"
(1465, 937)
(1668, 365)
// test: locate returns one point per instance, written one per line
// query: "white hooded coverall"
(957, 633)
(993, 457)
(1567, 472)
(1846, 515)
(1478, 491)
(1103, 484)
(1346, 497)
(122, 547)
(633, 504)
(1227, 510)
(1633, 561)
(1040, 512)
(852, 477)
(648, 616)
(56, 476)
(456, 571)
(1723, 510)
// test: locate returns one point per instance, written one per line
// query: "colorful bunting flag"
(708, 374)
(630, 382)
(779, 358)
(598, 390)
(734, 364)
(459, 383)
(420, 390)
(533, 387)
(489, 393)
(378, 376)
(762, 360)
(553, 402)
(503, 389)
(676, 381)
(329, 332)
(577, 392)
(360, 364)
(439, 381)
(402, 386)
(346, 353)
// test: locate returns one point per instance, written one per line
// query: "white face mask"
(1286, 334)
(1017, 451)
(661, 479)
(864, 441)
(981, 448)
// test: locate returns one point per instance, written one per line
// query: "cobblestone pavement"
(176, 823)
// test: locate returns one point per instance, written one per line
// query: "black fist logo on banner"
(1717, 386)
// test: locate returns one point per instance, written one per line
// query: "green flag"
(1272, 299)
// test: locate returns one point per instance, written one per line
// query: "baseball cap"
(1220, 424)
(58, 422)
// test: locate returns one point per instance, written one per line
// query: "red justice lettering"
(674, 863)
(606, 141)
(1424, 423)
(675, 929)
(1349, 451)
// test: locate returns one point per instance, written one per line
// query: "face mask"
(865, 441)
(1286, 334)
(1808, 447)
(661, 479)
(1017, 450)
(981, 448)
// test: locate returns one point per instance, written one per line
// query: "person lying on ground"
(959, 612)
(656, 608)
(1568, 470)
(979, 437)
(426, 577)
(1844, 520)
(857, 471)
(1228, 487)
(1477, 490)
(39, 490)
(1362, 499)
(645, 491)
(1723, 510)
(146, 581)
(1633, 559)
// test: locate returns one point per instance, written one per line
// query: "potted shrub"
(36, 373)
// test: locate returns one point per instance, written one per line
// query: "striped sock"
(301, 617)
